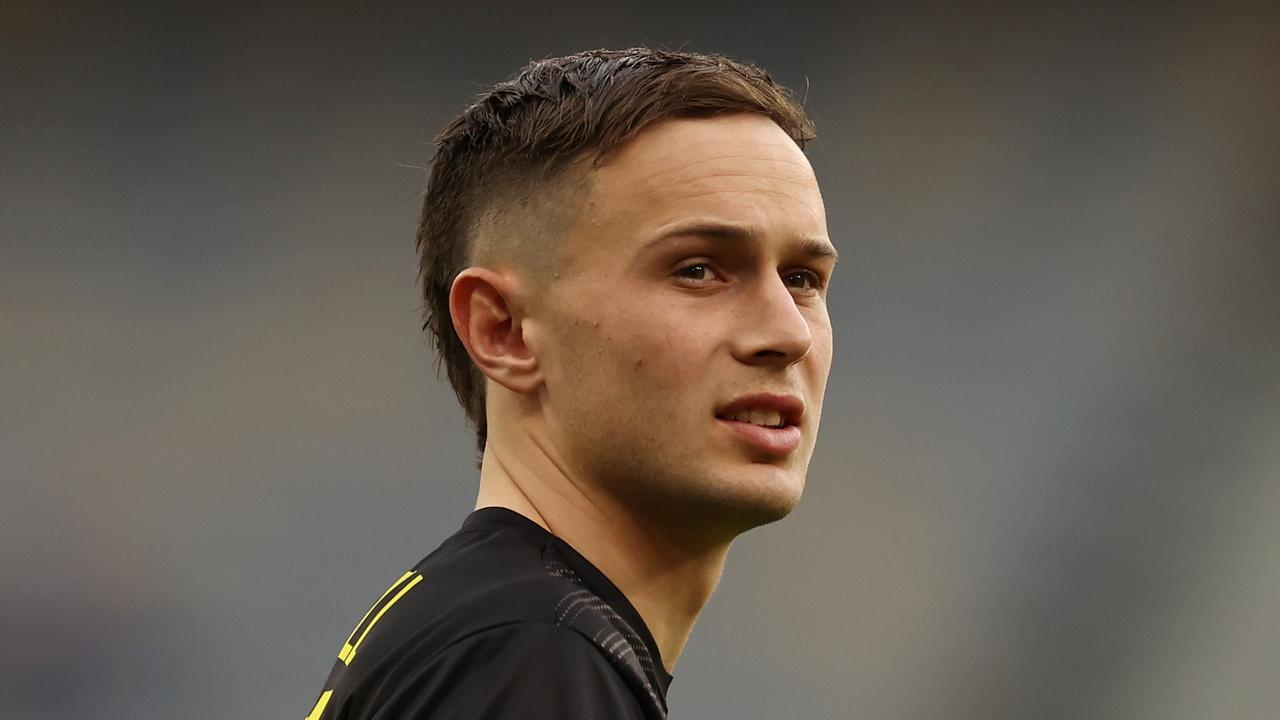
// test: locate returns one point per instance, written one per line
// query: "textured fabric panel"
(585, 612)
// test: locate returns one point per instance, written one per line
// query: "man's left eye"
(812, 278)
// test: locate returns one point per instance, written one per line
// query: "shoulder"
(474, 582)
(526, 650)
(526, 670)
(491, 619)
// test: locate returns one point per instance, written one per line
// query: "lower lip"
(775, 441)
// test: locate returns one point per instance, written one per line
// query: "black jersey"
(503, 620)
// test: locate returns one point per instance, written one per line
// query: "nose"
(772, 329)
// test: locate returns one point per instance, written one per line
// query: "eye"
(813, 279)
(696, 271)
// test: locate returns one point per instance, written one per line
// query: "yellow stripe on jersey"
(347, 647)
(350, 650)
(319, 708)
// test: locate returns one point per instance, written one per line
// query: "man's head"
(619, 245)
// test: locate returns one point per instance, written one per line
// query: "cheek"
(659, 357)
(642, 341)
(822, 351)
(818, 366)
(635, 350)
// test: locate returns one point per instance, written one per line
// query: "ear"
(487, 308)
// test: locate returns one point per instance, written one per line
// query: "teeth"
(770, 418)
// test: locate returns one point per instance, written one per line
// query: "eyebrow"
(815, 248)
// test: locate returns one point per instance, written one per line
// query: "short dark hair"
(505, 155)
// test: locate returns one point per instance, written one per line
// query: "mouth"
(761, 418)
(767, 423)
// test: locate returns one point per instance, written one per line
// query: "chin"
(738, 504)
(712, 499)
(770, 508)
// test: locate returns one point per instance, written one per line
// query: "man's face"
(696, 279)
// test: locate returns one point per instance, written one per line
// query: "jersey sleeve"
(529, 671)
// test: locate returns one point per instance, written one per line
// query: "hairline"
(561, 178)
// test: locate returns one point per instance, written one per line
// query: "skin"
(603, 386)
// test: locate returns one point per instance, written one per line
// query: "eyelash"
(815, 278)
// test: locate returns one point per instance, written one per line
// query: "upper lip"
(789, 406)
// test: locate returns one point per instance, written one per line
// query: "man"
(625, 262)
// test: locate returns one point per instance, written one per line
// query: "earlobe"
(487, 312)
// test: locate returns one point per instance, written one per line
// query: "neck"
(668, 578)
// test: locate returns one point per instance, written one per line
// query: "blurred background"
(1048, 479)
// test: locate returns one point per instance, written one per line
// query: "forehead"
(741, 168)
